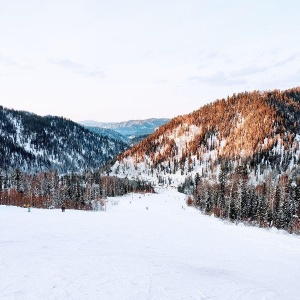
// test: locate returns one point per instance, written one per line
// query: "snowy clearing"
(130, 252)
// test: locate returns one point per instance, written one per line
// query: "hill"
(131, 132)
(238, 158)
(109, 133)
(33, 143)
(259, 129)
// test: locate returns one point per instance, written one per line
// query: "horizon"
(146, 119)
(116, 61)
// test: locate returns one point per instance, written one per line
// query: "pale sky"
(116, 60)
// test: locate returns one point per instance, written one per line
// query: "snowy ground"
(129, 252)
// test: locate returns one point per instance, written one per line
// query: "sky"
(120, 60)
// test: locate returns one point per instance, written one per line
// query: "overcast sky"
(115, 60)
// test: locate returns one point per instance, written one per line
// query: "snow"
(130, 252)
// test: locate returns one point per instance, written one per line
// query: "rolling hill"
(33, 143)
(257, 129)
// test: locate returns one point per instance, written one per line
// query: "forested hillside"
(259, 127)
(238, 157)
(109, 133)
(33, 143)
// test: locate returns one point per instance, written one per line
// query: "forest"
(239, 158)
(36, 144)
(75, 191)
(231, 196)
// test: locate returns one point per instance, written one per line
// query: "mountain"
(109, 133)
(33, 143)
(132, 131)
(260, 130)
(238, 158)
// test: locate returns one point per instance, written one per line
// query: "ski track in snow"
(129, 252)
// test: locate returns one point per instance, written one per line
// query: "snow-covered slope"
(257, 130)
(33, 143)
(168, 251)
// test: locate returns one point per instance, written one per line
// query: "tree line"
(51, 190)
(231, 196)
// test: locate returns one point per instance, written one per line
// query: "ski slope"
(130, 252)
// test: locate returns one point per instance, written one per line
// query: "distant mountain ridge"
(109, 133)
(130, 132)
(33, 143)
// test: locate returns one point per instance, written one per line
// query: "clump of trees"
(231, 196)
(50, 190)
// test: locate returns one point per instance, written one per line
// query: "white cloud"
(248, 71)
(160, 81)
(8, 61)
(154, 58)
(77, 68)
(216, 79)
